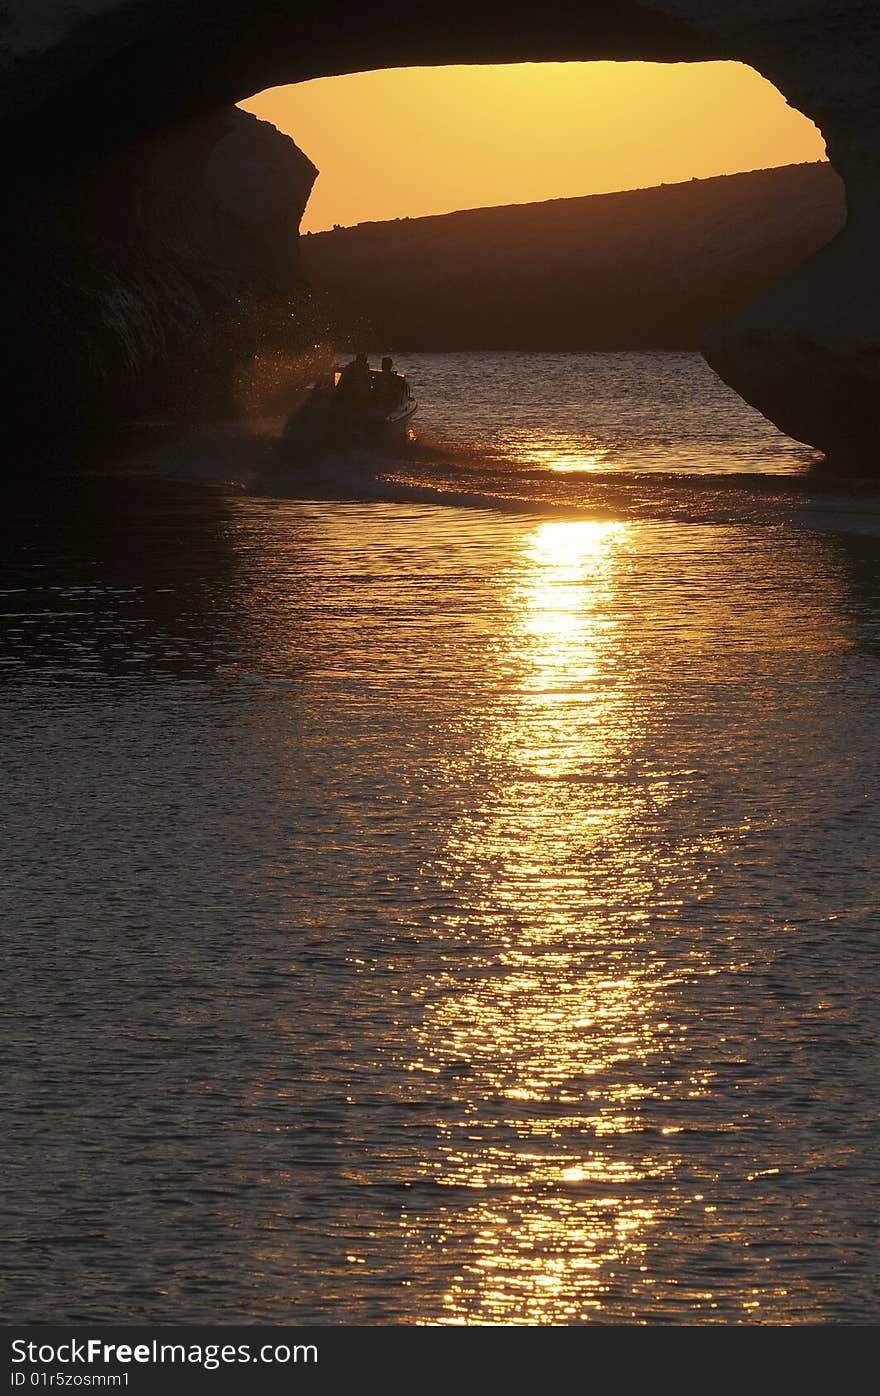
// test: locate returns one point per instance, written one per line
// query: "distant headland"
(642, 269)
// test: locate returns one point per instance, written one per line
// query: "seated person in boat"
(355, 386)
(389, 387)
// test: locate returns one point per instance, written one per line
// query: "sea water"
(443, 888)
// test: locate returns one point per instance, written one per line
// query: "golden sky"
(411, 141)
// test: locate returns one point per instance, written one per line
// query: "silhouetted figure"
(355, 386)
(389, 386)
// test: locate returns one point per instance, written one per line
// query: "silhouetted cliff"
(140, 287)
(649, 268)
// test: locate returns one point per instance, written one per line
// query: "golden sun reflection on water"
(562, 454)
(562, 640)
(523, 1064)
(543, 1027)
(570, 456)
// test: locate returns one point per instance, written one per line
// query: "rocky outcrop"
(642, 269)
(807, 352)
(82, 78)
(138, 287)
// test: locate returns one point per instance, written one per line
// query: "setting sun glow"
(416, 141)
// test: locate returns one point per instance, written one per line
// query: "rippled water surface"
(435, 914)
(575, 413)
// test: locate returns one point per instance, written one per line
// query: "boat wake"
(433, 471)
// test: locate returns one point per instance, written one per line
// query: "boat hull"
(323, 424)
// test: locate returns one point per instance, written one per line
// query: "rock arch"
(81, 81)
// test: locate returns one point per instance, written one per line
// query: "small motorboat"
(368, 408)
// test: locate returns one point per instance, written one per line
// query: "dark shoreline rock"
(806, 353)
(141, 288)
